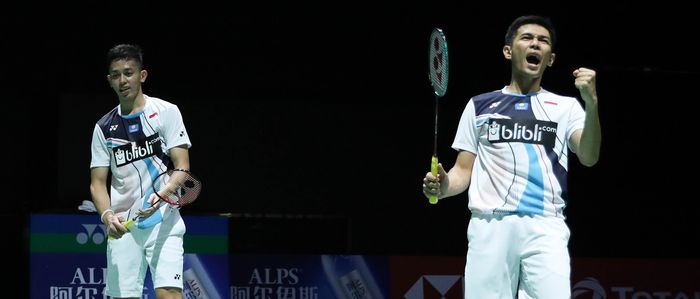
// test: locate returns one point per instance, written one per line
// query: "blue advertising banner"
(309, 277)
(68, 257)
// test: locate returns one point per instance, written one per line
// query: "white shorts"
(159, 247)
(516, 254)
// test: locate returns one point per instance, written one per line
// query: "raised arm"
(586, 142)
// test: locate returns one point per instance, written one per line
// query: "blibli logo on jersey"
(525, 131)
(137, 150)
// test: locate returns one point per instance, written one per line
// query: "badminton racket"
(176, 186)
(439, 75)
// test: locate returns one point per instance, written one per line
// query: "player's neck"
(524, 85)
(131, 106)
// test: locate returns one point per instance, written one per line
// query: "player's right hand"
(115, 226)
(432, 185)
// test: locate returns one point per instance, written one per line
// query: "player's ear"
(551, 59)
(507, 52)
(144, 74)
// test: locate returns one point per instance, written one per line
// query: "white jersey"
(521, 144)
(136, 149)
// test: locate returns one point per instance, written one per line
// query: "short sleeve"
(174, 131)
(99, 149)
(577, 118)
(466, 136)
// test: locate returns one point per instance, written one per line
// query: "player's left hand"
(585, 82)
(154, 201)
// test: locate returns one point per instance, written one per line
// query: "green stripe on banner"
(206, 244)
(66, 243)
(41, 242)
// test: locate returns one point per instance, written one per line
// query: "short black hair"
(530, 19)
(125, 51)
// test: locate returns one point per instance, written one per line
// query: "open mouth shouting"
(533, 60)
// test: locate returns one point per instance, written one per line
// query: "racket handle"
(127, 224)
(434, 170)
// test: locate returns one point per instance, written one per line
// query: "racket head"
(177, 187)
(439, 62)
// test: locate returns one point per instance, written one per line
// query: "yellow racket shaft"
(129, 223)
(434, 170)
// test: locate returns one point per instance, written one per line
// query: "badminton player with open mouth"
(513, 145)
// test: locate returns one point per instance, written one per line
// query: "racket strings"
(439, 66)
(187, 190)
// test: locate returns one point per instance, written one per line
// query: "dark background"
(312, 125)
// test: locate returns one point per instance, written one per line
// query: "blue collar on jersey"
(522, 95)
